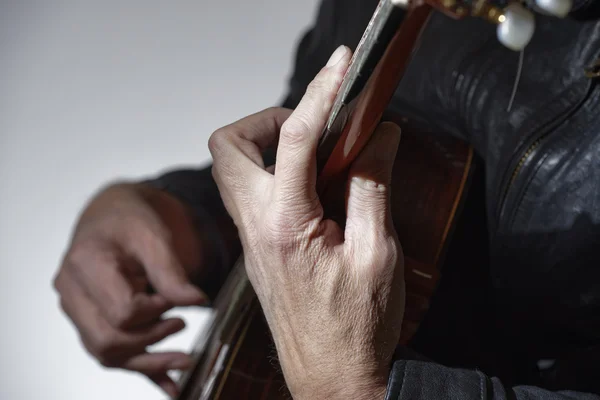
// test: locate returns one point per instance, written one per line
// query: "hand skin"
(333, 297)
(128, 237)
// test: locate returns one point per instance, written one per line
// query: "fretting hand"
(333, 297)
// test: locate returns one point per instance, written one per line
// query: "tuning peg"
(516, 26)
(557, 8)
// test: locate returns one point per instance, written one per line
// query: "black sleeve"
(421, 380)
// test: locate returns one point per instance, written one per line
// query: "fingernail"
(337, 55)
(195, 293)
(203, 297)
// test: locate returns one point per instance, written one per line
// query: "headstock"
(515, 18)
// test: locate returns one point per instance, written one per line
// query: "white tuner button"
(557, 8)
(516, 27)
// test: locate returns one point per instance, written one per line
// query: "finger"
(153, 364)
(77, 306)
(368, 204)
(238, 166)
(295, 171)
(110, 346)
(152, 333)
(149, 242)
(98, 269)
(250, 136)
(167, 384)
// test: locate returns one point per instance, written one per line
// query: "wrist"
(334, 377)
(355, 382)
(342, 388)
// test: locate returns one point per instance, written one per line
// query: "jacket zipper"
(540, 134)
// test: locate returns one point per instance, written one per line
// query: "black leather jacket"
(522, 282)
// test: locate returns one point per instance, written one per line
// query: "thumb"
(151, 245)
(169, 278)
(368, 203)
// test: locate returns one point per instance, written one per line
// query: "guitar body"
(430, 178)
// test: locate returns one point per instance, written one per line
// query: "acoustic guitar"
(235, 357)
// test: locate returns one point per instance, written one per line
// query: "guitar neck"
(216, 343)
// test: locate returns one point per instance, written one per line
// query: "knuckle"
(283, 233)
(372, 187)
(57, 281)
(384, 254)
(276, 232)
(152, 229)
(120, 315)
(78, 254)
(296, 128)
(146, 229)
(108, 361)
(219, 141)
(323, 87)
(317, 86)
(94, 250)
(389, 254)
(103, 344)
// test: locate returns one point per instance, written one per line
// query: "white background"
(92, 91)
